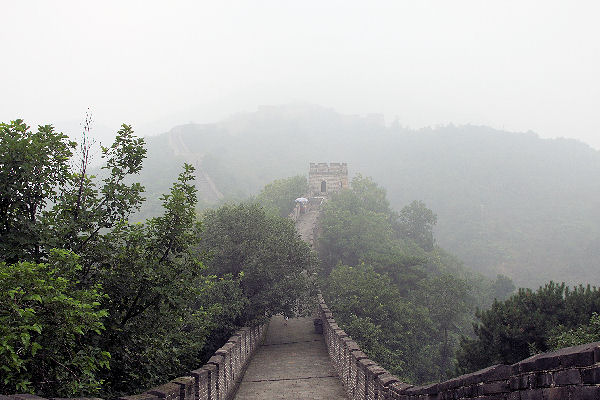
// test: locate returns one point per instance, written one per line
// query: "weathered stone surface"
(543, 379)
(591, 375)
(168, 391)
(142, 396)
(292, 364)
(534, 394)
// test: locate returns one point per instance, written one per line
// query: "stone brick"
(519, 382)
(533, 394)
(585, 393)
(225, 349)
(580, 356)
(400, 387)
(142, 396)
(578, 359)
(495, 387)
(188, 388)
(216, 360)
(514, 396)
(202, 377)
(359, 355)
(168, 391)
(74, 398)
(387, 379)
(493, 373)
(567, 377)
(326, 178)
(543, 379)
(591, 376)
(558, 393)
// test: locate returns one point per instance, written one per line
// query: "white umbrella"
(301, 200)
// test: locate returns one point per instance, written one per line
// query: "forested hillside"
(508, 203)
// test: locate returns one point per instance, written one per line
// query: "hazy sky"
(519, 65)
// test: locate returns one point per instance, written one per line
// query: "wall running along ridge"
(567, 374)
(218, 379)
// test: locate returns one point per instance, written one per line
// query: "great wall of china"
(313, 358)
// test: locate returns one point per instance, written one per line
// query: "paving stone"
(291, 364)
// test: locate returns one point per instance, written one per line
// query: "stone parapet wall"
(218, 379)
(572, 373)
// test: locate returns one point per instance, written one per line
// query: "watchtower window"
(323, 187)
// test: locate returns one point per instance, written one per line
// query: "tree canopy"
(525, 323)
(280, 194)
(274, 265)
(402, 298)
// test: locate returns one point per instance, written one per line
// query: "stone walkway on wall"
(292, 363)
(305, 226)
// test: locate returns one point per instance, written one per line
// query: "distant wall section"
(327, 178)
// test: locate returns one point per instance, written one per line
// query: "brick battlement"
(567, 374)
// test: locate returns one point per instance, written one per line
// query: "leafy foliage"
(358, 226)
(33, 169)
(82, 211)
(447, 297)
(137, 299)
(154, 277)
(588, 333)
(46, 318)
(389, 328)
(280, 194)
(274, 265)
(416, 222)
(424, 300)
(524, 324)
(137, 305)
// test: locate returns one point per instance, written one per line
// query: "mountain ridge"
(507, 202)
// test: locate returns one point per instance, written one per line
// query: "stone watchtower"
(326, 178)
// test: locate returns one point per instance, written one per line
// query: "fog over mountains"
(508, 203)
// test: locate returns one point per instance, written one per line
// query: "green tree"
(161, 303)
(274, 264)
(34, 167)
(355, 223)
(502, 287)
(588, 333)
(46, 318)
(154, 275)
(83, 213)
(446, 296)
(389, 328)
(280, 194)
(516, 328)
(416, 223)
